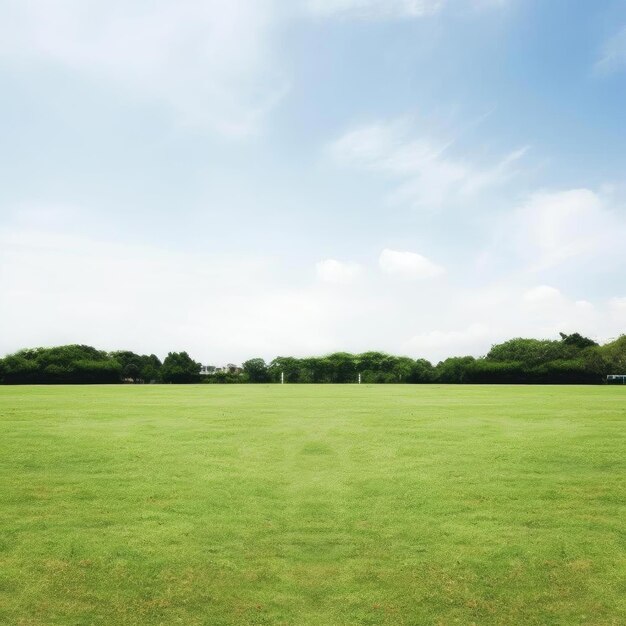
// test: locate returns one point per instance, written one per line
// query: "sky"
(254, 178)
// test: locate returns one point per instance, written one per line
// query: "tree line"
(570, 359)
(79, 364)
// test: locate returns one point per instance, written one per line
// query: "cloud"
(613, 57)
(488, 4)
(332, 271)
(470, 340)
(617, 310)
(60, 288)
(553, 228)
(618, 304)
(392, 9)
(408, 265)
(542, 295)
(545, 299)
(424, 172)
(553, 311)
(470, 322)
(375, 9)
(62, 285)
(209, 61)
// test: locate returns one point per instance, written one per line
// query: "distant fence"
(616, 379)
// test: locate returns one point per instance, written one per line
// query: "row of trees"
(570, 359)
(76, 364)
(340, 367)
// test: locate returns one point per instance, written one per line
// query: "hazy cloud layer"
(61, 288)
(394, 9)
(210, 62)
(375, 9)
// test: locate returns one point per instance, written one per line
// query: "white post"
(359, 378)
(282, 378)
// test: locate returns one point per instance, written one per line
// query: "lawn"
(312, 505)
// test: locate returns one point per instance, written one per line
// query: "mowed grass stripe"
(312, 505)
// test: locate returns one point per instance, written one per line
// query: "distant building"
(211, 370)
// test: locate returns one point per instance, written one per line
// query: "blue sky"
(258, 178)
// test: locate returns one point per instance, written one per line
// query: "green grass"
(317, 505)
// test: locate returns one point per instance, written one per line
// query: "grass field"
(312, 505)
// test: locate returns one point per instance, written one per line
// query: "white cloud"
(64, 287)
(440, 344)
(542, 295)
(337, 272)
(558, 227)
(470, 322)
(424, 173)
(613, 56)
(375, 9)
(408, 265)
(553, 312)
(487, 4)
(617, 309)
(61, 288)
(619, 304)
(210, 61)
(392, 9)
(494, 175)
(550, 312)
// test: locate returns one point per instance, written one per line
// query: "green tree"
(132, 372)
(138, 367)
(179, 367)
(577, 341)
(614, 355)
(60, 365)
(454, 369)
(256, 370)
(422, 372)
(527, 351)
(341, 367)
(291, 367)
(315, 370)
